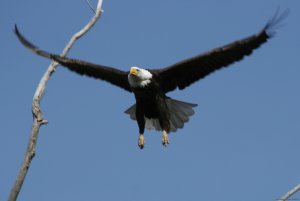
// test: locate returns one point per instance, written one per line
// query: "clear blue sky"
(243, 142)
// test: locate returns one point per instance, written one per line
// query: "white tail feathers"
(179, 114)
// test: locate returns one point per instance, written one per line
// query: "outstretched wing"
(109, 74)
(186, 72)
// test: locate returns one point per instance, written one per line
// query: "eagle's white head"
(139, 77)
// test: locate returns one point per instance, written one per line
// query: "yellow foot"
(165, 139)
(141, 141)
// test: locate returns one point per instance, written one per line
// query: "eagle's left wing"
(186, 72)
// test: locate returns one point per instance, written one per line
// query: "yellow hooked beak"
(133, 71)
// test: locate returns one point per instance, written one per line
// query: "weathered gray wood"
(289, 194)
(38, 119)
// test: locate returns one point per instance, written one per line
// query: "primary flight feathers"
(180, 74)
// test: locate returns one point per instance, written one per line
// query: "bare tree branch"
(90, 5)
(290, 193)
(38, 119)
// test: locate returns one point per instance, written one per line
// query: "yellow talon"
(141, 142)
(165, 139)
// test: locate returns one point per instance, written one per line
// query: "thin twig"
(91, 7)
(38, 119)
(290, 193)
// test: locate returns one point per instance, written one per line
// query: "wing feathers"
(186, 72)
(109, 74)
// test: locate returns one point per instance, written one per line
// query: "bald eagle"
(153, 108)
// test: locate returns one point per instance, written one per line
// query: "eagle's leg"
(141, 123)
(141, 142)
(165, 139)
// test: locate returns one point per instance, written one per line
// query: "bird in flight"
(153, 108)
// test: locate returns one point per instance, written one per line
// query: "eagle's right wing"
(109, 74)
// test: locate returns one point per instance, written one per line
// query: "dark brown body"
(151, 103)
